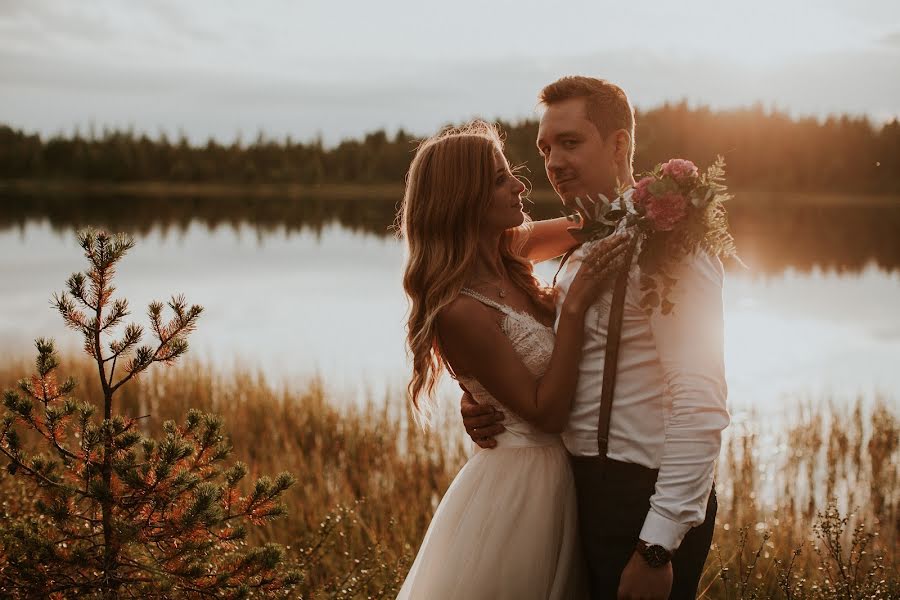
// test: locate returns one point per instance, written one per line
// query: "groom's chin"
(568, 200)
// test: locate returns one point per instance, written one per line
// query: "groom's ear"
(622, 150)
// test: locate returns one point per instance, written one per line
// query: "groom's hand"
(640, 581)
(482, 421)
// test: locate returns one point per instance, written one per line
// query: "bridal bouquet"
(675, 210)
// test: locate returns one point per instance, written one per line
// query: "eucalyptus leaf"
(667, 307)
(650, 300)
(647, 282)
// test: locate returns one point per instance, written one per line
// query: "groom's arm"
(691, 351)
(482, 421)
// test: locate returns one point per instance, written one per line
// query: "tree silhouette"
(765, 151)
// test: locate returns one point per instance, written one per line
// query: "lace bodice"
(533, 342)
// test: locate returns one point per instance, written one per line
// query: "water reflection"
(328, 300)
(774, 233)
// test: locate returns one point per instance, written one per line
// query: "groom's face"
(579, 162)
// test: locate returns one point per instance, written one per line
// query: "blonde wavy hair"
(448, 190)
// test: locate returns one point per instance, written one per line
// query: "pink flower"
(665, 211)
(641, 191)
(680, 169)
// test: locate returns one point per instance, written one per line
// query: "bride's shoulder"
(464, 311)
(468, 333)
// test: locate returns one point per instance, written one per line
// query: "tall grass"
(369, 480)
(808, 506)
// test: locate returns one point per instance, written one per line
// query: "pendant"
(502, 294)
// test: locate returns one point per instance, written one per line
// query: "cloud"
(891, 39)
(105, 28)
(64, 75)
(175, 19)
(47, 20)
(52, 92)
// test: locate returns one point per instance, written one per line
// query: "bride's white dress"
(507, 526)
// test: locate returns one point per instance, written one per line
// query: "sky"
(336, 69)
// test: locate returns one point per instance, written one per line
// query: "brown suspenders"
(611, 357)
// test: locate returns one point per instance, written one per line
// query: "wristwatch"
(654, 554)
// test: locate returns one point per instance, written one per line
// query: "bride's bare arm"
(475, 346)
(548, 239)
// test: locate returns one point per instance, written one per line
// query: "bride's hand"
(605, 259)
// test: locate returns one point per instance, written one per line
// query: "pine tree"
(117, 514)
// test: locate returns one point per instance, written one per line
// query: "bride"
(506, 528)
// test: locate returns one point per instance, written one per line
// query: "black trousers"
(613, 500)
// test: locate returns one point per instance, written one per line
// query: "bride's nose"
(518, 186)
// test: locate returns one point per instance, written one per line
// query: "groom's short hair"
(606, 103)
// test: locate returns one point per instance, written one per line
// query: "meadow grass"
(808, 504)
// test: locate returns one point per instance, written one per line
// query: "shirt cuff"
(664, 532)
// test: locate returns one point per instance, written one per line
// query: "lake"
(298, 288)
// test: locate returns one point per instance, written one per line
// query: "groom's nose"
(555, 172)
(554, 163)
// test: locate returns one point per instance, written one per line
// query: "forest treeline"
(765, 150)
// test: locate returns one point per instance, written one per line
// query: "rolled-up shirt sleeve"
(691, 351)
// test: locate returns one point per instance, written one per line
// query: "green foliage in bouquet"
(116, 514)
(675, 211)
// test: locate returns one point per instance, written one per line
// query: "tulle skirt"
(506, 529)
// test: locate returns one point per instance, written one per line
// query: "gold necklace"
(500, 290)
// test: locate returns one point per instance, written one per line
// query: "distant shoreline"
(354, 191)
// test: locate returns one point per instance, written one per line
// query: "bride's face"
(505, 210)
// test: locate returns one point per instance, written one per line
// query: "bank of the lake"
(354, 191)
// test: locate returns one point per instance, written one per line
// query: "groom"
(646, 502)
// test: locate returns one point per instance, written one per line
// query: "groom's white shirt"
(669, 407)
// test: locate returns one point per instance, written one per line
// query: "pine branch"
(19, 464)
(75, 286)
(23, 411)
(171, 336)
(130, 338)
(119, 312)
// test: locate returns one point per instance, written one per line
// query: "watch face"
(656, 556)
